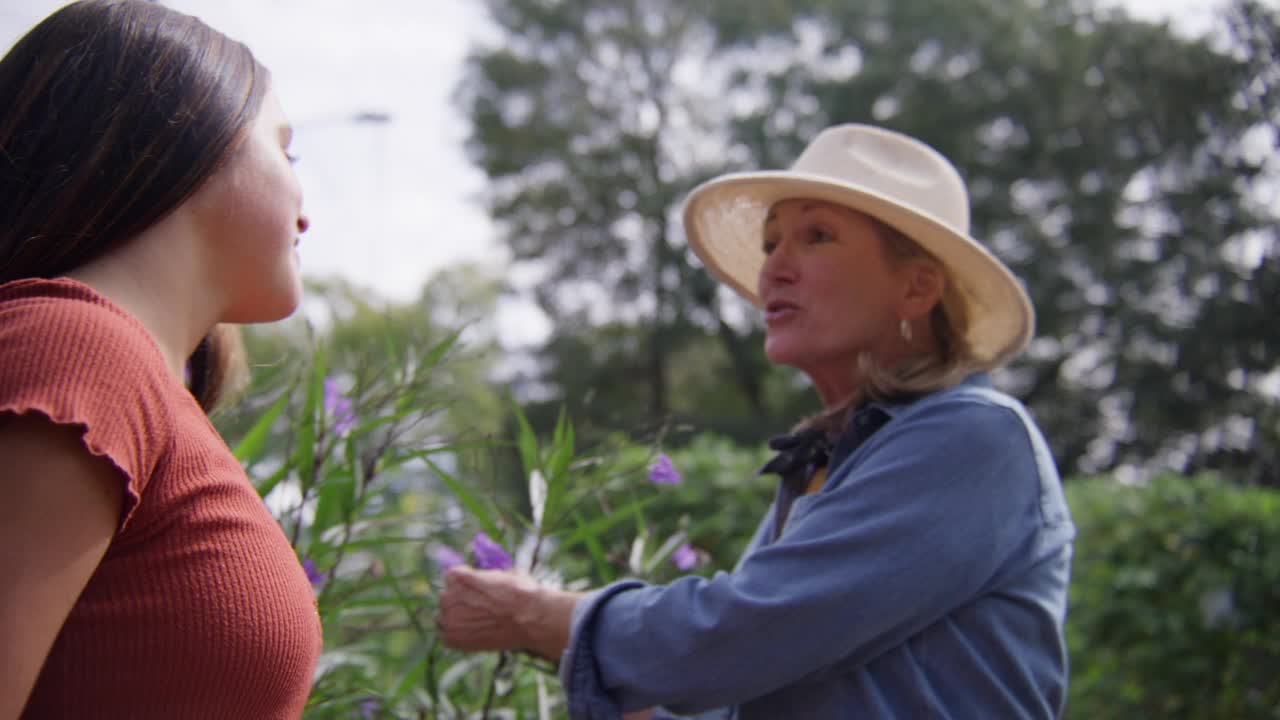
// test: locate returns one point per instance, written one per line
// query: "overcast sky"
(390, 202)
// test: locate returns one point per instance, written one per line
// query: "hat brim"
(724, 221)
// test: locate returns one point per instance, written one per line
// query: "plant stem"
(317, 460)
(433, 689)
(503, 658)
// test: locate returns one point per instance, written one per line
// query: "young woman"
(146, 198)
(916, 560)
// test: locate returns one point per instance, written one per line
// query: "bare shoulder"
(49, 474)
(60, 506)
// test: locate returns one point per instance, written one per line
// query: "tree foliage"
(1115, 165)
(585, 119)
(1119, 167)
(366, 339)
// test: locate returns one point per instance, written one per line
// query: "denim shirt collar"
(799, 454)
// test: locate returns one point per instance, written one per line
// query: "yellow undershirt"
(816, 480)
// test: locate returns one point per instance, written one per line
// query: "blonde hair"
(951, 361)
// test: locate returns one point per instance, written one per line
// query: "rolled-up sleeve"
(578, 674)
(918, 522)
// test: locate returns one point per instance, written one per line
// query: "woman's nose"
(777, 262)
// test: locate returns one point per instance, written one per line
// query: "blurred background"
(513, 169)
(1119, 157)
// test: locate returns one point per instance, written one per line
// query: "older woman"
(146, 198)
(916, 559)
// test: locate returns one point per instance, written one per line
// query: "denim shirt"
(927, 578)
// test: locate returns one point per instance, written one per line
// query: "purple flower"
(446, 557)
(489, 554)
(338, 407)
(316, 577)
(369, 709)
(662, 472)
(685, 557)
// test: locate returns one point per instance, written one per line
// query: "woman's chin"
(780, 351)
(267, 309)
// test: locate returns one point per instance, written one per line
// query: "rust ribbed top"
(199, 609)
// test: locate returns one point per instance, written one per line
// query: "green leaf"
(270, 483)
(557, 464)
(557, 435)
(400, 414)
(468, 499)
(337, 498)
(437, 353)
(351, 453)
(527, 442)
(410, 679)
(561, 449)
(312, 408)
(449, 448)
(593, 529)
(249, 449)
(598, 559)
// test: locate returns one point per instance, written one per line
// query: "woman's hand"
(501, 610)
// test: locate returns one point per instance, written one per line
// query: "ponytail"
(217, 369)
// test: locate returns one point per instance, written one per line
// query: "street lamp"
(371, 117)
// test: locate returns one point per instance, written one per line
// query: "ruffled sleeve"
(68, 354)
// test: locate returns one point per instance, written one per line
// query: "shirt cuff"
(579, 674)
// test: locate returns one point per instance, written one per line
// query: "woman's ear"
(926, 282)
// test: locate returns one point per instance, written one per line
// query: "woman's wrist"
(546, 622)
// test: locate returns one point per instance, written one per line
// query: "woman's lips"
(779, 311)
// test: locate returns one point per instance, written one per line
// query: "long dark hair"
(114, 113)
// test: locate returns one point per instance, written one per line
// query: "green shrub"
(352, 453)
(1175, 600)
(715, 509)
(1169, 600)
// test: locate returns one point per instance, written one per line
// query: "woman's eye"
(768, 246)
(818, 235)
(293, 159)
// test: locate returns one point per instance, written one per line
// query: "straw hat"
(892, 177)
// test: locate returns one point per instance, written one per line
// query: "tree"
(365, 342)
(585, 120)
(1114, 164)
